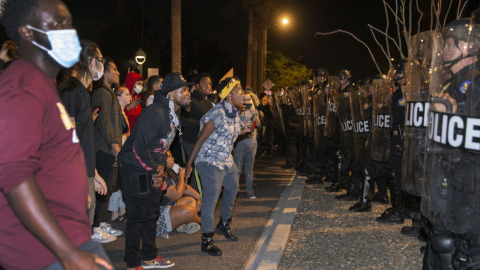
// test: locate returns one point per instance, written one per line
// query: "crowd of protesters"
(78, 143)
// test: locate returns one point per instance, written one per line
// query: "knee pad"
(442, 244)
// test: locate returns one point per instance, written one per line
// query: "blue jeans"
(245, 153)
(90, 246)
(212, 179)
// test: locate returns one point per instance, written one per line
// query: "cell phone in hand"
(251, 119)
(96, 109)
(142, 184)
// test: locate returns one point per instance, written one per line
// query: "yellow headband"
(227, 89)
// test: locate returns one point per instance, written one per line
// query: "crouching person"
(180, 203)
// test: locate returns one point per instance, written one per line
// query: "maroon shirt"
(38, 141)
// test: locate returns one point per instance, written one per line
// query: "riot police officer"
(319, 112)
(290, 119)
(307, 150)
(451, 190)
(344, 155)
(396, 127)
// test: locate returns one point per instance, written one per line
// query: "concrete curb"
(269, 248)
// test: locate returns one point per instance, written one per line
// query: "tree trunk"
(255, 56)
(176, 36)
(265, 54)
(250, 48)
(260, 78)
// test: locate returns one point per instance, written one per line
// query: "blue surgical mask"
(65, 45)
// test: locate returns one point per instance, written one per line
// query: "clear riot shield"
(361, 109)
(415, 93)
(331, 114)
(277, 120)
(344, 115)
(381, 119)
(307, 108)
(451, 188)
(319, 112)
(297, 104)
(278, 102)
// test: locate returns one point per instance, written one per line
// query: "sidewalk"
(326, 235)
(250, 218)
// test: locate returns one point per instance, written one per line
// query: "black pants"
(308, 150)
(104, 164)
(143, 211)
(291, 148)
(395, 163)
(379, 171)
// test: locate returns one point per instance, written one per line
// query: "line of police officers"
(415, 129)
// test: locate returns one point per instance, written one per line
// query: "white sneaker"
(102, 237)
(108, 229)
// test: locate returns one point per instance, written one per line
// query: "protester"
(76, 99)
(142, 170)
(179, 204)
(44, 178)
(108, 139)
(246, 145)
(116, 204)
(190, 121)
(153, 84)
(219, 129)
(134, 83)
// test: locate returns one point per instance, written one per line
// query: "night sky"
(214, 33)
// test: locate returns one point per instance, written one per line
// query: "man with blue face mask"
(43, 180)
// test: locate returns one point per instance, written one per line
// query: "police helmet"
(344, 74)
(400, 66)
(321, 72)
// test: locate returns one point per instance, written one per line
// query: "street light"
(140, 58)
(264, 58)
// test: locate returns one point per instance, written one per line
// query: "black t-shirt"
(76, 100)
(170, 182)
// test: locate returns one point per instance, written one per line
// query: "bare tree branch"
(446, 15)
(398, 28)
(458, 9)
(419, 19)
(383, 33)
(392, 11)
(346, 32)
(461, 11)
(386, 31)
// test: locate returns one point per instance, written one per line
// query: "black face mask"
(247, 106)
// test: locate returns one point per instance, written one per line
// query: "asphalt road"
(249, 220)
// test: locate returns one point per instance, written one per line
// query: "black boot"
(352, 195)
(209, 246)
(335, 187)
(380, 199)
(416, 228)
(225, 230)
(364, 204)
(391, 215)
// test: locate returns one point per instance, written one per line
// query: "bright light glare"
(285, 21)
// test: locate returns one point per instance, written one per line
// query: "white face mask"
(138, 89)
(99, 73)
(65, 45)
(176, 168)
